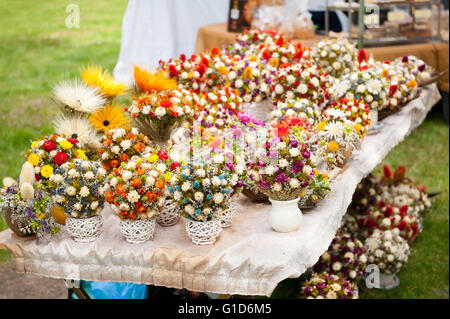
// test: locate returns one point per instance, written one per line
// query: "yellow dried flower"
(65, 144)
(333, 146)
(34, 159)
(46, 171)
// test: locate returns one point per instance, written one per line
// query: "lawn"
(37, 50)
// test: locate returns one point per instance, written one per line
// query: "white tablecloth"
(155, 29)
(249, 258)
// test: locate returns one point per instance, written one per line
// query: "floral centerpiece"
(302, 81)
(282, 170)
(120, 145)
(390, 252)
(337, 56)
(81, 194)
(157, 114)
(202, 190)
(345, 258)
(135, 192)
(327, 286)
(48, 153)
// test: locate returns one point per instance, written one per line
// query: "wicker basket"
(435, 77)
(255, 196)
(20, 225)
(226, 219)
(203, 233)
(169, 214)
(137, 231)
(85, 230)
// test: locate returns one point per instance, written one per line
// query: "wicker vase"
(20, 225)
(203, 233)
(85, 230)
(226, 218)
(169, 214)
(137, 231)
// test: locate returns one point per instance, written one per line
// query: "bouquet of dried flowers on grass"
(135, 190)
(201, 190)
(157, 114)
(327, 286)
(345, 257)
(388, 250)
(282, 168)
(80, 193)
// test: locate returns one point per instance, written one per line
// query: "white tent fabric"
(155, 29)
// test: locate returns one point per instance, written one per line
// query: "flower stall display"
(345, 257)
(158, 114)
(302, 81)
(48, 154)
(328, 286)
(202, 190)
(135, 192)
(80, 193)
(120, 145)
(282, 170)
(337, 56)
(390, 252)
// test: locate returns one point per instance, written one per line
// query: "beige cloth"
(249, 258)
(434, 54)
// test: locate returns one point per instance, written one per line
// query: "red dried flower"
(362, 56)
(166, 103)
(60, 158)
(387, 172)
(162, 154)
(49, 145)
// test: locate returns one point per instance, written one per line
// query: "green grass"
(37, 50)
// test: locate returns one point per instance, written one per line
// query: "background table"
(434, 54)
(248, 259)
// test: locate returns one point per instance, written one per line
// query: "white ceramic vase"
(285, 216)
(137, 231)
(84, 230)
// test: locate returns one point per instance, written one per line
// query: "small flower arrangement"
(283, 168)
(300, 108)
(365, 85)
(388, 250)
(316, 191)
(415, 66)
(201, 190)
(335, 138)
(336, 56)
(392, 217)
(135, 190)
(356, 111)
(301, 81)
(252, 77)
(345, 258)
(367, 194)
(328, 286)
(157, 114)
(120, 145)
(49, 153)
(80, 192)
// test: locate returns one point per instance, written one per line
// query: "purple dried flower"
(281, 178)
